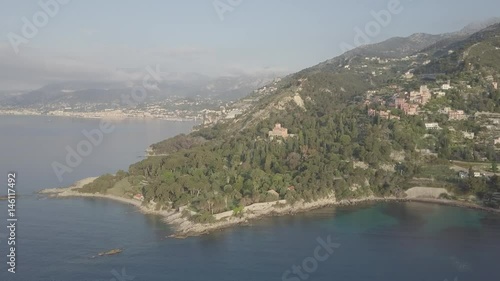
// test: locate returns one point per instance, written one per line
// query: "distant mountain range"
(189, 85)
(172, 85)
(398, 47)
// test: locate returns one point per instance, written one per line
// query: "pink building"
(278, 131)
(139, 197)
(456, 115)
(399, 103)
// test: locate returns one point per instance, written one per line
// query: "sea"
(58, 239)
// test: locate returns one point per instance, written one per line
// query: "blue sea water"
(58, 237)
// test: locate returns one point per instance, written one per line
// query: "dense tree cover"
(242, 167)
(336, 148)
(177, 143)
(235, 170)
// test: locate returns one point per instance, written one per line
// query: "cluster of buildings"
(383, 114)
(407, 108)
(464, 174)
(421, 97)
(410, 103)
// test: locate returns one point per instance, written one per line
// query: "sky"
(115, 40)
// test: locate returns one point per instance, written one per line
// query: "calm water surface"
(57, 238)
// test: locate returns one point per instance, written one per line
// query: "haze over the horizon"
(95, 40)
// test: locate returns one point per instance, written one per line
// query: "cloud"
(36, 67)
(182, 52)
(89, 32)
(32, 69)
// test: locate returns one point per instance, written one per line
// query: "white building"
(440, 94)
(432, 126)
(446, 86)
(468, 135)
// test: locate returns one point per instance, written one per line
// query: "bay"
(58, 237)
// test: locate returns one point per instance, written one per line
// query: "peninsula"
(380, 122)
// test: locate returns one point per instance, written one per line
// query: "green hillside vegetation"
(336, 148)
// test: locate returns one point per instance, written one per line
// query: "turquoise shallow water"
(385, 241)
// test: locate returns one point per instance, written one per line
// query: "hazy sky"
(95, 39)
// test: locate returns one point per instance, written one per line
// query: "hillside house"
(446, 86)
(422, 97)
(495, 85)
(457, 115)
(468, 135)
(410, 109)
(384, 114)
(399, 103)
(139, 197)
(445, 110)
(432, 126)
(440, 94)
(408, 75)
(496, 141)
(278, 131)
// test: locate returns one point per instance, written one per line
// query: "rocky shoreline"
(186, 228)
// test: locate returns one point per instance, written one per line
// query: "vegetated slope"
(398, 47)
(334, 148)
(449, 57)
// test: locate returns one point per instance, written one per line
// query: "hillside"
(351, 127)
